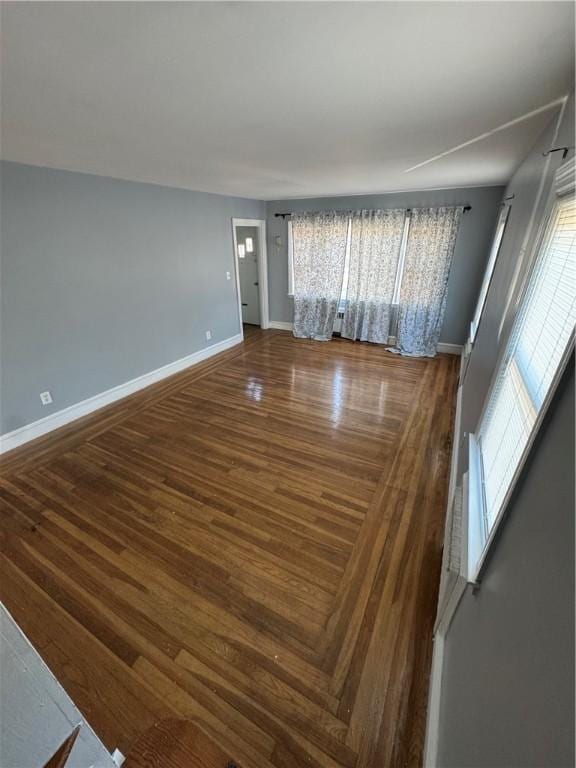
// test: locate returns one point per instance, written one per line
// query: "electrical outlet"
(208, 335)
(228, 276)
(46, 398)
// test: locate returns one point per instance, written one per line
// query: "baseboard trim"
(449, 349)
(28, 432)
(280, 325)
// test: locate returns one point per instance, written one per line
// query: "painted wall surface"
(507, 694)
(508, 676)
(470, 254)
(104, 280)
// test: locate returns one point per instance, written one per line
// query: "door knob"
(256, 283)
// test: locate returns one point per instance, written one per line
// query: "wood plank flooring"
(253, 544)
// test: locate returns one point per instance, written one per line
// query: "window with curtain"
(541, 336)
(318, 252)
(375, 244)
(393, 266)
(343, 292)
(424, 282)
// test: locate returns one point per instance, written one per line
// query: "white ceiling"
(278, 99)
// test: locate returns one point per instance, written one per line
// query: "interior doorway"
(251, 271)
(247, 245)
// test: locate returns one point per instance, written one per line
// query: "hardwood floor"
(253, 544)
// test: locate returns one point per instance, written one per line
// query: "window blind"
(540, 335)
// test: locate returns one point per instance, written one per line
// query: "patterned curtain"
(429, 250)
(319, 250)
(376, 239)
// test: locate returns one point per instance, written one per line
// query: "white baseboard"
(24, 434)
(449, 349)
(281, 325)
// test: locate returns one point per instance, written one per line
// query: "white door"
(247, 244)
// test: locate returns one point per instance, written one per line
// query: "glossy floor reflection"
(253, 544)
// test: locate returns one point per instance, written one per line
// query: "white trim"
(565, 181)
(456, 445)
(262, 269)
(452, 587)
(237, 273)
(435, 689)
(24, 434)
(496, 245)
(281, 325)
(290, 252)
(449, 349)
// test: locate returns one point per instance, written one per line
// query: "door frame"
(262, 269)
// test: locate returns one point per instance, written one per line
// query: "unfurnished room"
(288, 298)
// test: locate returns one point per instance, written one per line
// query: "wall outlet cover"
(208, 335)
(46, 398)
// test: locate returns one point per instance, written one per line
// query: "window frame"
(495, 247)
(290, 246)
(476, 471)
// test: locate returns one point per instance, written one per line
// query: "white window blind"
(540, 336)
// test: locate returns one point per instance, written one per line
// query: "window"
(290, 261)
(401, 259)
(496, 243)
(344, 292)
(541, 337)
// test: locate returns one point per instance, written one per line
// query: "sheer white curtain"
(376, 239)
(319, 250)
(429, 250)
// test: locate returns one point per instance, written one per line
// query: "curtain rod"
(408, 210)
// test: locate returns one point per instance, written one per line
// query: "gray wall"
(507, 696)
(508, 683)
(104, 280)
(470, 254)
